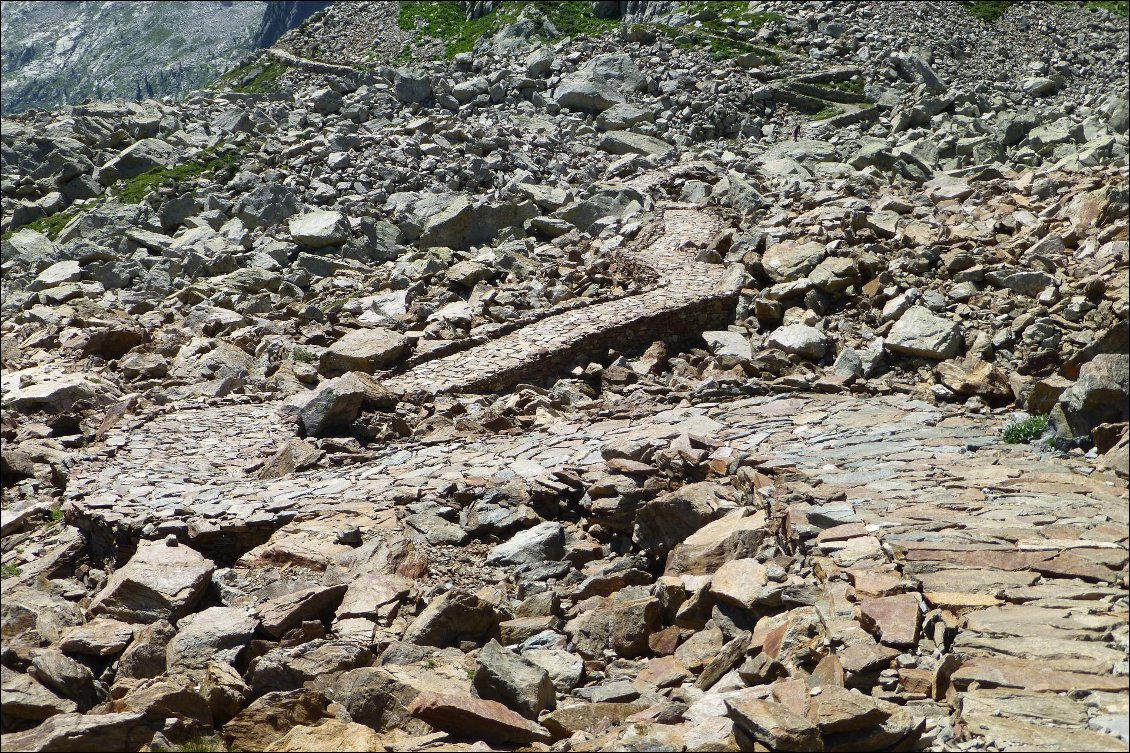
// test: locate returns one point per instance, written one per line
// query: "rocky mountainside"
(705, 376)
(60, 53)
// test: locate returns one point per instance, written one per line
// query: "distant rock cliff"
(55, 54)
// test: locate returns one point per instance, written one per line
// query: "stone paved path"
(1021, 560)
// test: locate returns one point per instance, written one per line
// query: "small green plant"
(301, 355)
(1025, 431)
(56, 515)
(202, 744)
(265, 80)
(9, 571)
(987, 10)
(134, 190)
(830, 111)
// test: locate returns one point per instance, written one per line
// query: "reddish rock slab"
(477, 719)
(893, 619)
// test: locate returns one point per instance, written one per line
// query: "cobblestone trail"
(1020, 559)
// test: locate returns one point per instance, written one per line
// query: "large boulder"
(364, 350)
(162, 581)
(410, 86)
(332, 406)
(1098, 396)
(319, 229)
(136, 159)
(126, 731)
(627, 142)
(452, 220)
(669, 519)
(510, 679)
(603, 200)
(788, 261)
(545, 541)
(599, 84)
(922, 333)
(800, 339)
(453, 617)
(266, 205)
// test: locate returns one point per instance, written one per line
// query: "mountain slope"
(55, 54)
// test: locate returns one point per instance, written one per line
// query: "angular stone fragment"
(21, 697)
(319, 229)
(893, 619)
(773, 725)
(102, 636)
(739, 582)
(269, 717)
(467, 716)
(127, 731)
(160, 582)
(216, 634)
(545, 541)
(799, 339)
(920, 332)
(452, 617)
(510, 679)
(364, 350)
(332, 734)
(282, 613)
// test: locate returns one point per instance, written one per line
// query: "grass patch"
(203, 744)
(51, 225)
(134, 190)
(987, 10)
(253, 78)
(1025, 431)
(447, 23)
(854, 86)
(301, 355)
(55, 515)
(9, 571)
(1117, 7)
(830, 111)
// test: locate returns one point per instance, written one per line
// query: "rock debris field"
(577, 377)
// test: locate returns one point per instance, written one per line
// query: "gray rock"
(215, 634)
(266, 206)
(621, 116)
(539, 62)
(332, 406)
(127, 731)
(545, 541)
(411, 86)
(731, 347)
(67, 677)
(139, 157)
(102, 636)
(599, 84)
(453, 617)
(363, 350)
(326, 101)
(920, 332)
(1098, 396)
(565, 669)
(799, 339)
(315, 230)
(510, 679)
(627, 142)
(785, 262)
(145, 656)
(21, 697)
